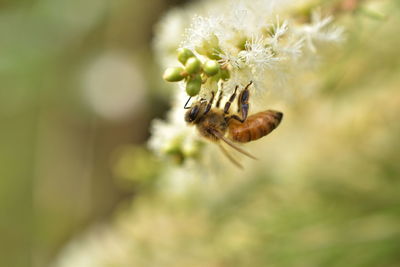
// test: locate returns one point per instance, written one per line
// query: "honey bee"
(217, 124)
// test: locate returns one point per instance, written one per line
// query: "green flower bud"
(241, 42)
(210, 48)
(192, 149)
(211, 67)
(173, 74)
(212, 84)
(184, 54)
(174, 150)
(213, 41)
(225, 74)
(193, 65)
(201, 49)
(193, 85)
(176, 155)
(213, 54)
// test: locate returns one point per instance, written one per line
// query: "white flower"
(256, 41)
(170, 35)
(319, 31)
(173, 132)
(278, 32)
(231, 59)
(293, 49)
(201, 29)
(258, 56)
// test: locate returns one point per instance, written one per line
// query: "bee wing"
(230, 143)
(226, 153)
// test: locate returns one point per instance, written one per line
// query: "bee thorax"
(213, 122)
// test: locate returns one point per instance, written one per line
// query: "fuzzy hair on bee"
(215, 124)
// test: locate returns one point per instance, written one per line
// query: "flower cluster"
(263, 41)
(195, 72)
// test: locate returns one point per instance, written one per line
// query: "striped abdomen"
(255, 126)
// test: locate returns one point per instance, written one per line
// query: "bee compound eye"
(191, 115)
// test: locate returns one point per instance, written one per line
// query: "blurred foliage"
(55, 149)
(135, 167)
(327, 194)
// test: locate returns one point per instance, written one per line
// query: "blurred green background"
(78, 89)
(58, 60)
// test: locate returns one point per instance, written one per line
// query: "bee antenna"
(187, 102)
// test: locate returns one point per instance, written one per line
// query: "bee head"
(192, 114)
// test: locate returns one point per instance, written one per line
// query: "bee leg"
(243, 104)
(220, 96)
(228, 104)
(244, 96)
(236, 117)
(209, 104)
